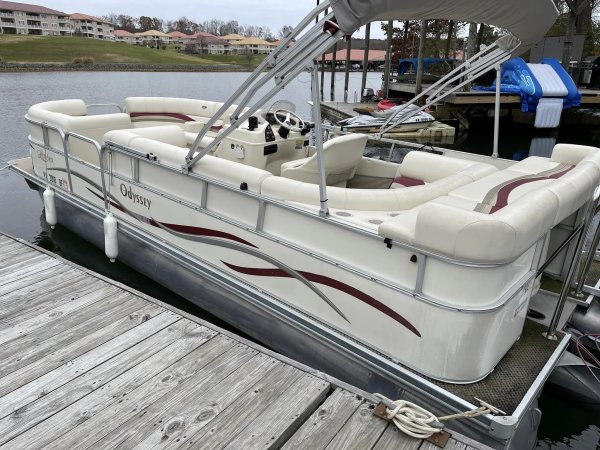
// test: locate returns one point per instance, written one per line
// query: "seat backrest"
(341, 156)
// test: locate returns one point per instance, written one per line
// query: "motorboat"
(411, 279)
(372, 122)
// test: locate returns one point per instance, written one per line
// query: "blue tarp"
(406, 64)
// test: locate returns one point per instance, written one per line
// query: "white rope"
(419, 423)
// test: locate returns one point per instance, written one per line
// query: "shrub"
(83, 60)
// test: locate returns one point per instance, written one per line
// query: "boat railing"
(65, 137)
(422, 256)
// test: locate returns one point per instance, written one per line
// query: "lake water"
(564, 424)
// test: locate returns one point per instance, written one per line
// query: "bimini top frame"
(285, 63)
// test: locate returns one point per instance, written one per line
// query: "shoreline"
(120, 67)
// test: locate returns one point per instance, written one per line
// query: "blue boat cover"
(518, 78)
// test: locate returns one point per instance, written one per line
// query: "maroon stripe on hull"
(198, 231)
(182, 117)
(503, 194)
(321, 279)
(408, 182)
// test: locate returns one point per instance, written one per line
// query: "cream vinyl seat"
(341, 156)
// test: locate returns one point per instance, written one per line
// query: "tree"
(145, 23)
(231, 27)
(184, 25)
(127, 23)
(111, 18)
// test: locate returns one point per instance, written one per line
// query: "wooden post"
(347, 72)
(420, 66)
(363, 83)
(479, 37)
(388, 59)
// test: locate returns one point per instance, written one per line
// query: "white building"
(23, 18)
(92, 27)
(252, 45)
(126, 36)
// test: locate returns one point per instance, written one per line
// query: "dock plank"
(392, 439)
(25, 349)
(179, 420)
(362, 430)
(143, 334)
(20, 289)
(24, 411)
(30, 272)
(25, 326)
(138, 388)
(78, 289)
(88, 339)
(75, 415)
(279, 421)
(14, 255)
(20, 262)
(322, 426)
(451, 445)
(245, 409)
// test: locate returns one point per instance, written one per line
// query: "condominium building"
(92, 27)
(23, 18)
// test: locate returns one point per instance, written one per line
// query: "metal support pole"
(363, 83)
(497, 111)
(324, 210)
(347, 71)
(332, 81)
(388, 59)
(562, 298)
(421, 58)
(588, 261)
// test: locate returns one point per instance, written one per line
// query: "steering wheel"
(288, 123)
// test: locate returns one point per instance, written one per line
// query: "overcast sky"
(271, 13)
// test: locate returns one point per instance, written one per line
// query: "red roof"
(14, 6)
(357, 55)
(207, 38)
(123, 33)
(80, 16)
(204, 34)
(179, 34)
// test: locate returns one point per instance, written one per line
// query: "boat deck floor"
(86, 362)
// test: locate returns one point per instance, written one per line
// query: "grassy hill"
(64, 49)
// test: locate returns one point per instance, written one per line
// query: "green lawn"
(63, 49)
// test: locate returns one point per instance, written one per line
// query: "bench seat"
(479, 222)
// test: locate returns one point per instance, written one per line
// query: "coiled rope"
(419, 423)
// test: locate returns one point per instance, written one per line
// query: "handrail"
(65, 136)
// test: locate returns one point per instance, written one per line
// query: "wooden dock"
(86, 362)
